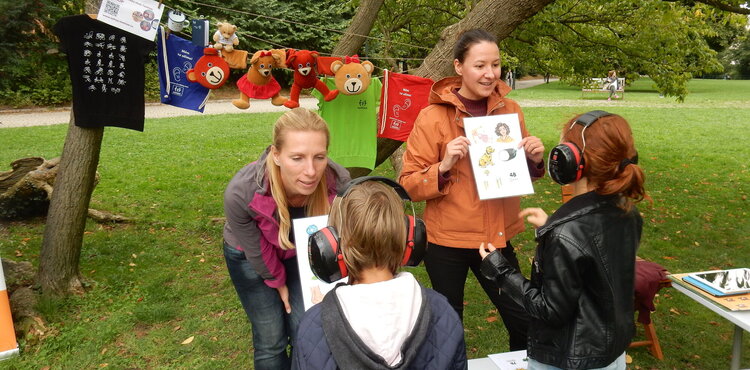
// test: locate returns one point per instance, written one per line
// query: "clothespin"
(160, 3)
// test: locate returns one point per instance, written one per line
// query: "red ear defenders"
(566, 159)
(324, 252)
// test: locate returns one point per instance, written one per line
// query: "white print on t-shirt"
(93, 54)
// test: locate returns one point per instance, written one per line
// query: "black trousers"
(448, 268)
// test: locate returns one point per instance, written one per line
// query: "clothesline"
(299, 23)
(304, 24)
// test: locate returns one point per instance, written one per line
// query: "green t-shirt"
(352, 121)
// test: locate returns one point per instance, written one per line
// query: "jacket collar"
(442, 93)
(575, 208)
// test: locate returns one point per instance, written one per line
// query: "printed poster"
(139, 17)
(313, 289)
(500, 168)
(515, 360)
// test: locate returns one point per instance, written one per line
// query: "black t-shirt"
(106, 70)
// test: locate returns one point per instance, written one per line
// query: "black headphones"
(566, 159)
(324, 252)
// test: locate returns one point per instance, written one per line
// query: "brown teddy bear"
(351, 76)
(258, 82)
(225, 37)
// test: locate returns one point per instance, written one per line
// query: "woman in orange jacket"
(437, 169)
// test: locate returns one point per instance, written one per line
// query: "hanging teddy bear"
(210, 70)
(304, 64)
(351, 76)
(258, 82)
(225, 37)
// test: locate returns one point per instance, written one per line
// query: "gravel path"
(45, 117)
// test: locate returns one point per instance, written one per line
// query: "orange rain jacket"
(454, 216)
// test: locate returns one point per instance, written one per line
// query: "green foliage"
(37, 74)
(736, 59)
(270, 24)
(162, 280)
(665, 40)
(402, 23)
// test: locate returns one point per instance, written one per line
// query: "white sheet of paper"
(499, 165)
(313, 289)
(139, 17)
(510, 360)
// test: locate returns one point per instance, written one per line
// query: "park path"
(55, 116)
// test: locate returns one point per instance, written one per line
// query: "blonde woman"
(293, 178)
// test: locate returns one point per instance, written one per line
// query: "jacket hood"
(442, 92)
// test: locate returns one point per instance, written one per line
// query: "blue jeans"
(617, 364)
(273, 329)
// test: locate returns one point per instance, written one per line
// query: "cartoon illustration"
(479, 136)
(486, 158)
(503, 133)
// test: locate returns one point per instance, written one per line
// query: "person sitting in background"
(381, 319)
(611, 84)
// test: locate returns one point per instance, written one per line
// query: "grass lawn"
(162, 280)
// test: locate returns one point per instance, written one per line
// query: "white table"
(740, 319)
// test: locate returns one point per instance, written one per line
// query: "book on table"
(721, 282)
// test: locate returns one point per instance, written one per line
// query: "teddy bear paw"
(278, 100)
(291, 104)
(239, 103)
(228, 48)
(331, 95)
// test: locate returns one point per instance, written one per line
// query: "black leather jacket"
(580, 296)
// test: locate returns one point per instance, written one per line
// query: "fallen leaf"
(202, 260)
(189, 340)
(714, 323)
(491, 319)
(697, 244)
(176, 328)
(104, 350)
(131, 264)
(628, 359)
(134, 255)
(104, 365)
(674, 311)
(19, 253)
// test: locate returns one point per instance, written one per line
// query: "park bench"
(599, 85)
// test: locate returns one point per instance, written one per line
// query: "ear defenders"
(566, 159)
(324, 252)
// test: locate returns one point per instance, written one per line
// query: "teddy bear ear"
(219, 24)
(314, 54)
(255, 57)
(369, 67)
(336, 65)
(234, 28)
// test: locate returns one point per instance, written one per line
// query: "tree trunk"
(353, 39)
(63, 233)
(498, 17)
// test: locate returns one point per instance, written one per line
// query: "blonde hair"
(371, 226)
(297, 119)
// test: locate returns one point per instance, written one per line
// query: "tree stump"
(25, 190)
